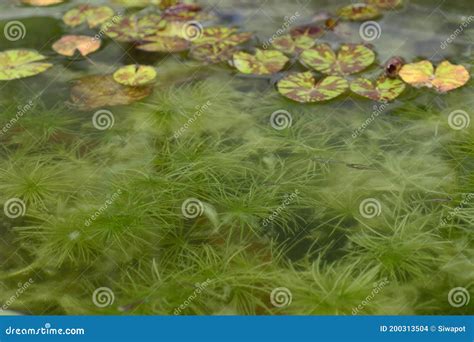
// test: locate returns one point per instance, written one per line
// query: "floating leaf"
(184, 12)
(100, 91)
(164, 44)
(213, 53)
(349, 60)
(359, 12)
(93, 15)
(447, 76)
(385, 4)
(134, 28)
(385, 89)
(221, 34)
(135, 75)
(264, 62)
(302, 87)
(16, 64)
(312, 31)
(137, 3)
(291, 45)
(68, 45)
(42, 2)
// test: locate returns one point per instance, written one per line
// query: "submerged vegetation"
(207, 192)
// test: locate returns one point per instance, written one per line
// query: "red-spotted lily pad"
(349, 60)
(134, 28)
(359, 12)
(164, 44)
(99, 91)
(385, 4)
(446, 77)
(93, 15)
(135, 75)
(185, 12)
(41, 3)
(302, 87)
(213, 53)
(263, 62)
(68, 45)
(16, 64)
(384, 89)
(221, 34)
(292, 45)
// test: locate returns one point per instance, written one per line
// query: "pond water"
(104, 226)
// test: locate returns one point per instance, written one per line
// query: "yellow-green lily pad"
(263, 62)
(164, 44)
(350, 59)
(16, 64)
(93, 15)
(41, 3)
(135, 75)
(222, 34)
(447, 76)
(384, 89)
(359, 12)
(68, 45)
(291, 45)
(303, 87)
(385, 4)
(134, 28)
(213, 53)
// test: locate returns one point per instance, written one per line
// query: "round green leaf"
(263, 62)
(135, 75)
(93, 15)
(164, 44)
(16, 64)
(359, 12)
(213, 53)
(222, 34)
(302, 87)
(349, 60)
(385, 4)
(384, 89)
(134, 28)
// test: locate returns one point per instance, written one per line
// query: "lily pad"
(185, 12)
(164, 44)
(134, 28)
(100, 91)
(68, 45)
(213, 53)
(302, 87)
(349, 60)
(42, 2)
(446, 77)
(292, 45)
(263, 62)
(385, 4)
(384, 89)
(135, 75)
(93, 15)
(222, 34)
(359, 12)
(16, 64)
